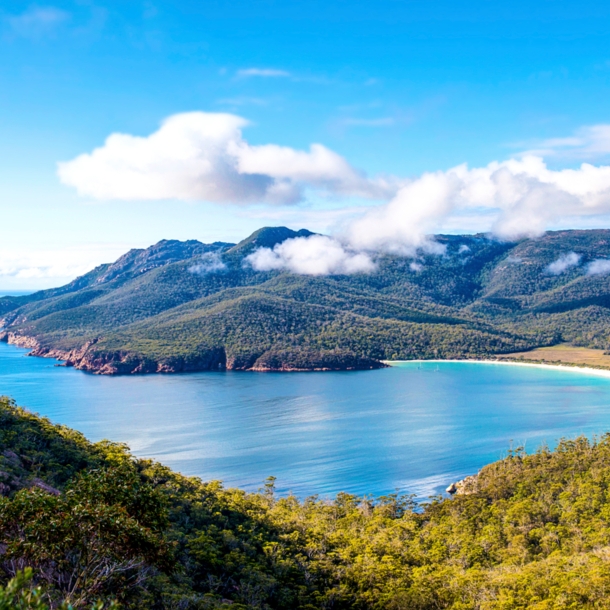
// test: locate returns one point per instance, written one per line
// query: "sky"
(376, 123)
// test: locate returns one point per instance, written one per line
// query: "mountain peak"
(267, 237)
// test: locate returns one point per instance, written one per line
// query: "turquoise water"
(413, 427)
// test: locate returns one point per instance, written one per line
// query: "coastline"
(564, 367)
(124, 362)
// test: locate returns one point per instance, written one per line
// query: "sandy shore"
(561, 367)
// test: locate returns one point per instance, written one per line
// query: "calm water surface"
(413, 427)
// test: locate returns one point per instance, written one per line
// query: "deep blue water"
(413, 427)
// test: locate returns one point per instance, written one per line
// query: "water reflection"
(414, 427)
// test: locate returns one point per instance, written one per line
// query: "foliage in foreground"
(533, 533)
(21, 594)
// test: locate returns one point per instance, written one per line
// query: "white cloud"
(37, 21)
(210, 262)
(517, 198)
(31, 268)
(563, 263)
(264, 72)
(600, 266)
(201, 156)
(314, 255)
(401, 226)
(588, 142)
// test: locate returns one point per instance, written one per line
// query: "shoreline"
(563, 367)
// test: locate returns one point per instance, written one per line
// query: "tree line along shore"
(182, 306)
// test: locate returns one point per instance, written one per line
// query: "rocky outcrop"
(129, 363)
(40, 484)
(466, 486)
(90, 358)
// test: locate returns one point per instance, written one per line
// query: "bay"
(414, 427)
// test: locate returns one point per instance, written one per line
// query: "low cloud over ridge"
(203, 156)
(600, 266)
(563, 263)
(313, 255)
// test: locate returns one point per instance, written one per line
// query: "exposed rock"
(139, 261)
(466, 486)
(45, 487)
(12, 456)
(90, 358)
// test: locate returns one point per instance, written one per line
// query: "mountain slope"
(181, 306)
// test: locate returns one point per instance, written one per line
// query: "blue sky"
(394, 88)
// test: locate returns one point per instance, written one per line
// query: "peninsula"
(189, 306)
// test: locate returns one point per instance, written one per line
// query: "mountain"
(189, 306)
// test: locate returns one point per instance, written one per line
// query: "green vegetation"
(565, 355)
(163, 310)
(86, 525)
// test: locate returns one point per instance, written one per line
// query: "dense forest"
(180, 306)
(86, 525)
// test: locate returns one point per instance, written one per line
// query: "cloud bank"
(521, 198)
(202, 156)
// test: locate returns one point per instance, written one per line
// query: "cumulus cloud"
(563, 263)
(200, 156)
(264, 72)
(313, 255)
(600, 266)
(519, 197)
(401, 226)
(210, 262)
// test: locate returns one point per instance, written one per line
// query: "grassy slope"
(534, 533)
(565, 354)
(481, 298)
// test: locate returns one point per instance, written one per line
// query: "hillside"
(93, 525)
(187, 306)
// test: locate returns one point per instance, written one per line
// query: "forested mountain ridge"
(180, 306)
